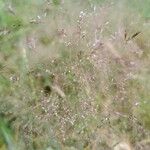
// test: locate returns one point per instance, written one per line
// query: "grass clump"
(74, 75)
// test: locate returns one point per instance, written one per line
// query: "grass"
(74, 75)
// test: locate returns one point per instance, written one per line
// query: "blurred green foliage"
(6, 135)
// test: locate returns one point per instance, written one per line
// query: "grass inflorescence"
(74, 75)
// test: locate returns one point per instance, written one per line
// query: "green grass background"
(35, 114)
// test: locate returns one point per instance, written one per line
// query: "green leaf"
(56, 2)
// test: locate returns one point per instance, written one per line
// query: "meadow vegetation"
(74, 75)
